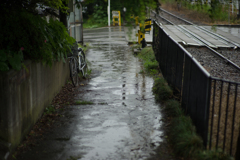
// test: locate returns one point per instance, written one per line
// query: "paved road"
(122, 123)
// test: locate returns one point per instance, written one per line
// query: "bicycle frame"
(81, 63)
(77, 65)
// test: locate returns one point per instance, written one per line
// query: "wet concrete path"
(122, 123)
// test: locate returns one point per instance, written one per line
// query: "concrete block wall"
(23, 97)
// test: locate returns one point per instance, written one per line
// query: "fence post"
(237, 155)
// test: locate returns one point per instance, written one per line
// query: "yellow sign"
(147, 25)
(140, 36)
(116, 15)
(146, 29)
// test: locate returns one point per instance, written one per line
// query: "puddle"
(127, 125)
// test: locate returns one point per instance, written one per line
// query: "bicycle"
(77, 64)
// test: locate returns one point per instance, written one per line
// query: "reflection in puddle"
(128, 127)
(104, 144)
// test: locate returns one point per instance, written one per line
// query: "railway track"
(221, 61)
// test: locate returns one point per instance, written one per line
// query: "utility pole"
(109, 13)
(238, 16)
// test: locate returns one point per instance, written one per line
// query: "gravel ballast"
(216, 66)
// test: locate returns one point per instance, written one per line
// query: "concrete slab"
(182, 37)
(206, 37)
(179, 36)
(232, 36)
(172, 34)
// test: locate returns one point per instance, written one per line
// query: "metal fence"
(224, 115)
(75, 23)
(169, 56)
(212, 104)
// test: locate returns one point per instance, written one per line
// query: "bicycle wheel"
(84, 70)
(84, 67)
(73, 72)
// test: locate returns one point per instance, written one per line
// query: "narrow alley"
(121, 122)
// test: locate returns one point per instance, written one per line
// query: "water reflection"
(130, 122)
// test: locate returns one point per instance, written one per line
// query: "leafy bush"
(24, 35)
(97, 19)
(183, 135)
(214, 155)
(149, 61)
(173, 108)
(99, 15)
(161, 90)
(49, 110)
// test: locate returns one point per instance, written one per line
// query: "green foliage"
(149, 61)
(213, 155)
(183, 134)
(49, 110)
(99, 16)
(173, 108)
(24, 36)
(90, 24)
(215, 10)
(97, 19)
(84, 47)
(30, 5)
(83, 103)
(60, 41)
(161, 90)
(133, 7)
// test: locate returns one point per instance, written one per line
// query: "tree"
(133, 7)
(31, 5)
(26, 35)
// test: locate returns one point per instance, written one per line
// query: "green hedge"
(24, 35)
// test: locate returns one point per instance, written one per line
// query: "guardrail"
(212, 103)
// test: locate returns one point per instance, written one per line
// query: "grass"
(149, 62)
(182, 135)
(84, 47)
(49, 110)
(83, 103)
(173, 108)
(89, 24)
(161, 90)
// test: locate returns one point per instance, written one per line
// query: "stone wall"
(24, 95)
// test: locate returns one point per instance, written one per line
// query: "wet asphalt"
(122, 123)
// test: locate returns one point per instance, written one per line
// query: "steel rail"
(219, 36)
(210, 48)
(186, 21)
(206, 30)
(197, 37)
(163, 18)
(206, 44)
